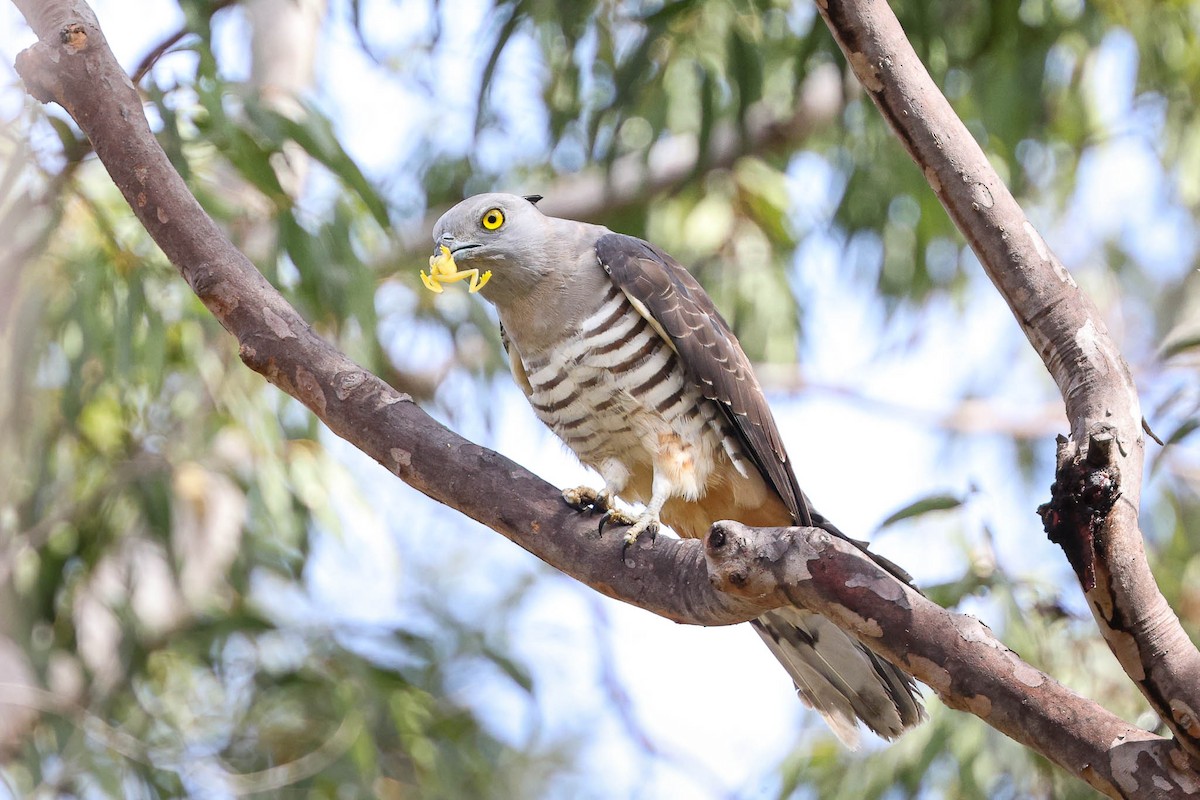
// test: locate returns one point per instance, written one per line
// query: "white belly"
(614, 391)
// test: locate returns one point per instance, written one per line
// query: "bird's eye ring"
(492, 219)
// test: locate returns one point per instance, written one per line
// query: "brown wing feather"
(708, 350)
(833, 672)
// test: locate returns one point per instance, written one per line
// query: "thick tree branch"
(1069, 334)
(956, 655)
(73, 66)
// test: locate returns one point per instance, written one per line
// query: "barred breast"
(615, 392)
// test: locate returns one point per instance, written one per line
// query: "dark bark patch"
(1080, 499)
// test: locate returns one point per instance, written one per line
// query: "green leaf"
(507, 29)
(1181, 345)
(926, 505)
(708, 113)
(1182, 432)
(511, 668)
(314, 132)
(746, 66)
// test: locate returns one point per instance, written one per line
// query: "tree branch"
(1069, 334)
(956, 655)
(73, 66)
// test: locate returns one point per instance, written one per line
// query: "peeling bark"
(955, 655)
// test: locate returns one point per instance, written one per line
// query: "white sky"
(723, 742)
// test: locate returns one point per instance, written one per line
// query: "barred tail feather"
(839, 677)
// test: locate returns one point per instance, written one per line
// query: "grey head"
(545, 274)
(504, 233)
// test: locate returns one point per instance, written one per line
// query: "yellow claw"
(442, 269)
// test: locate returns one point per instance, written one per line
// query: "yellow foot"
(646, 523)
(585, 498)
(637, 526)
(589, 500)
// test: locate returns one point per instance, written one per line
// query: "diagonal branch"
(956, 655)
(72, 65)
(1104, 542)
(674, 159)
(150, 59)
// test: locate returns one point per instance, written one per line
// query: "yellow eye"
(492, 219)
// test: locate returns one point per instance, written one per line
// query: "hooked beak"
(452, 244)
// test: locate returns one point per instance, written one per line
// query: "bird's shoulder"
(674, 301)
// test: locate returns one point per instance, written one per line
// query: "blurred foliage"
(154, 483)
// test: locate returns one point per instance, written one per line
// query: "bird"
(625, 357)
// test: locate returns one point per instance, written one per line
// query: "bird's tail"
(839, 677)
(835, 674)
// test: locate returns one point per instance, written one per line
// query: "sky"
(899, 377)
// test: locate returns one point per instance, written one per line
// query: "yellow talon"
(442, 269)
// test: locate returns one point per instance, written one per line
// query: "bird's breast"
(614, 388)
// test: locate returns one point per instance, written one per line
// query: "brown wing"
(679, 308)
